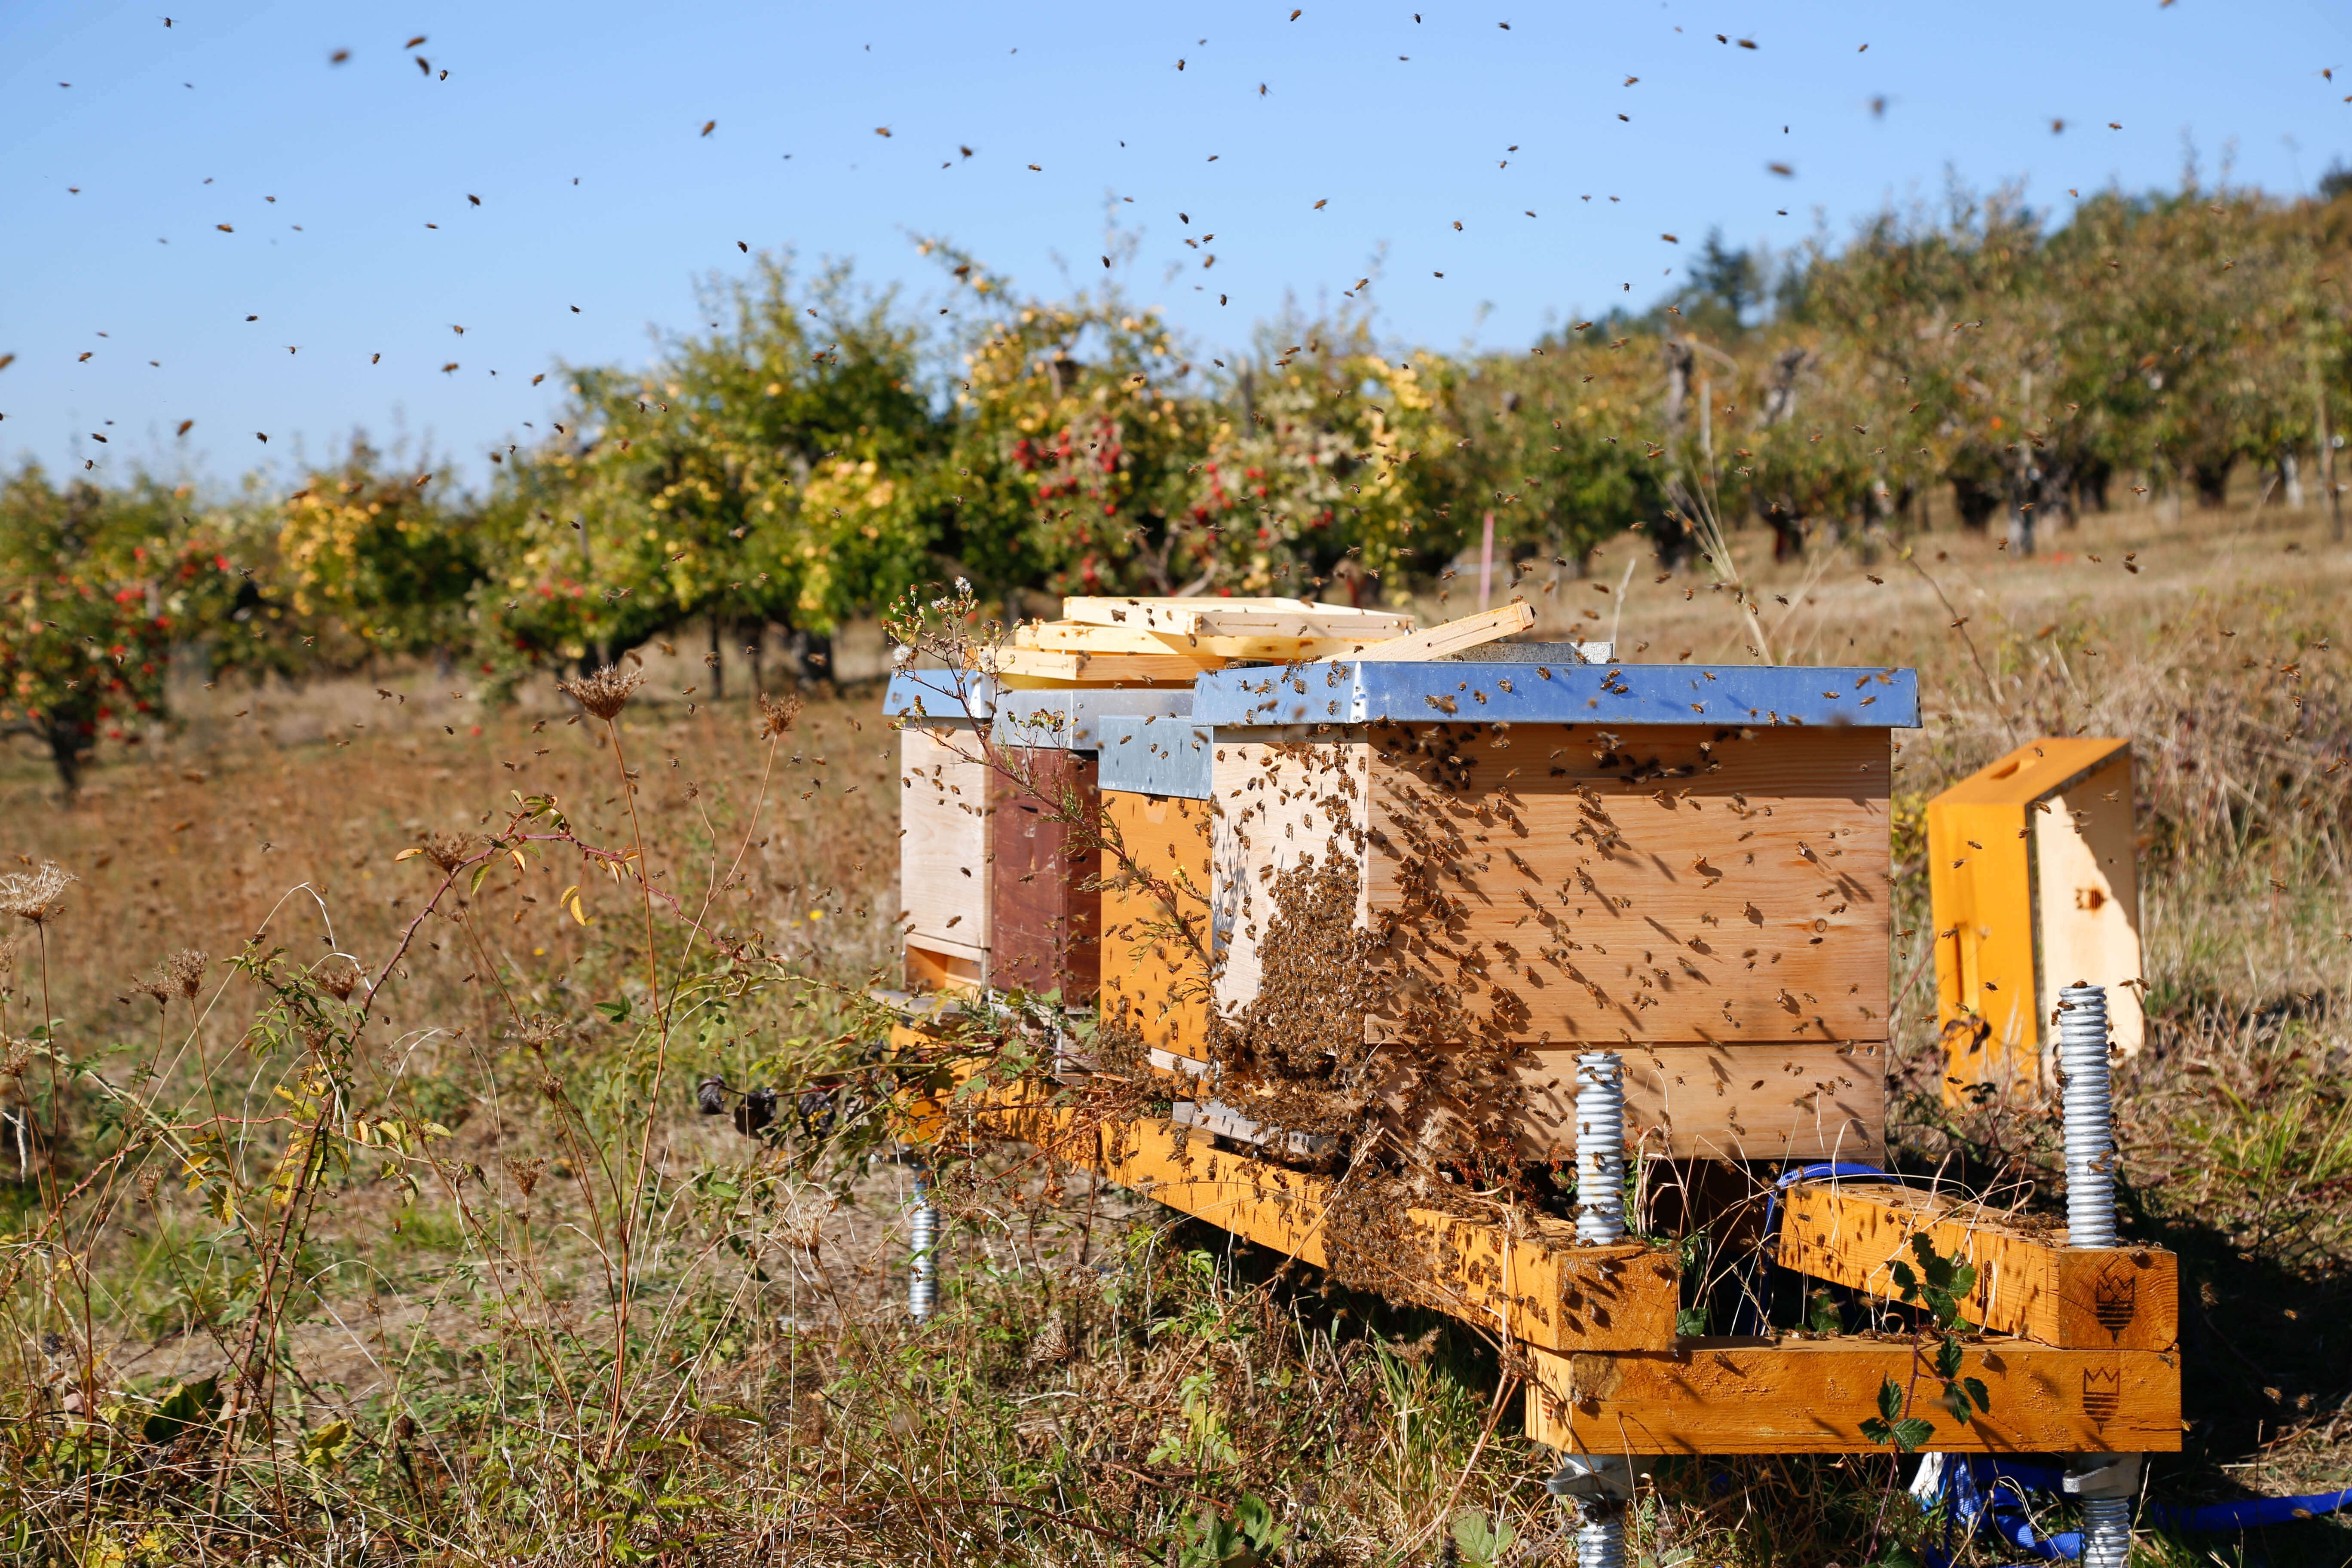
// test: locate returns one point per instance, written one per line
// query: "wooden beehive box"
(944, 893)
(2035, 882)
(1688, 865)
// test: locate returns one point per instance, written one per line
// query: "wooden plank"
(1152, 980)
(1790, 1101)
(1674, 884)
(1046, 909)
(935, 968)
(1470, 631)
(943, 892)
(1753, 1396)
(1213, 651)
(2028, 1282)
(1538, 1284)
(1237, 617)
(1276, 806)
(1016, 667)
(1546, 1289)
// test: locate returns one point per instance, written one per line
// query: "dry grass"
(1101, 1374)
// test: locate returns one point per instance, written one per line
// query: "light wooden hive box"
(1688, 865)
(944, 894)
(2033, 867)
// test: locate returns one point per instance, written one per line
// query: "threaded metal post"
(1601, 1150)
(922, 1231)
(2106, 1531)
(1601, 1537)
(2088, 1100)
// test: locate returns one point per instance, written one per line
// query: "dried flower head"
(337, 979)
(33, 896)
(155, 983)
(185, 970)
(148, 1181)
(777, 718)
(539, 1028)
(526, 1173)
(604, 693)
(449, 851)
(19, 1057)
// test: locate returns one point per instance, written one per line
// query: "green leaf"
(187, 1405)
(1948, 1359)
(1890, 1400)
(1909, 1435)
(618, 1011)
(1978, 1392)
(1906, 1281)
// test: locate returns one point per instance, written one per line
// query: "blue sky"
(578, 128)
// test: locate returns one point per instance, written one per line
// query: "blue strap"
(1966, 1501)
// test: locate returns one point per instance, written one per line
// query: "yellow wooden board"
(1020, 667)
(1547, 1289)
(1452, 637)
(1152, 980)
(1209, 615)
(1211, 649)
(1796, 1396)
(2028, 1283)
(1538, 1285)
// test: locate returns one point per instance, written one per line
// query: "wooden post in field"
(2326, 452)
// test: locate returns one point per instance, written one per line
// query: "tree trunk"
(2212, 480)
(1977, 503)
(64, 737)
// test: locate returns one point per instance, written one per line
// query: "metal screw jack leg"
(2107, 1483)
(1600, 1147)
(922, 1236)
(2089, 1102)
(1600, 1486)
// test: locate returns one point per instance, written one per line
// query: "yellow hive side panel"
(943, 884)
(1152, 978)
(1980, 878)
(2087, 887)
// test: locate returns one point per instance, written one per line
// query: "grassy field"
(404, 1212)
